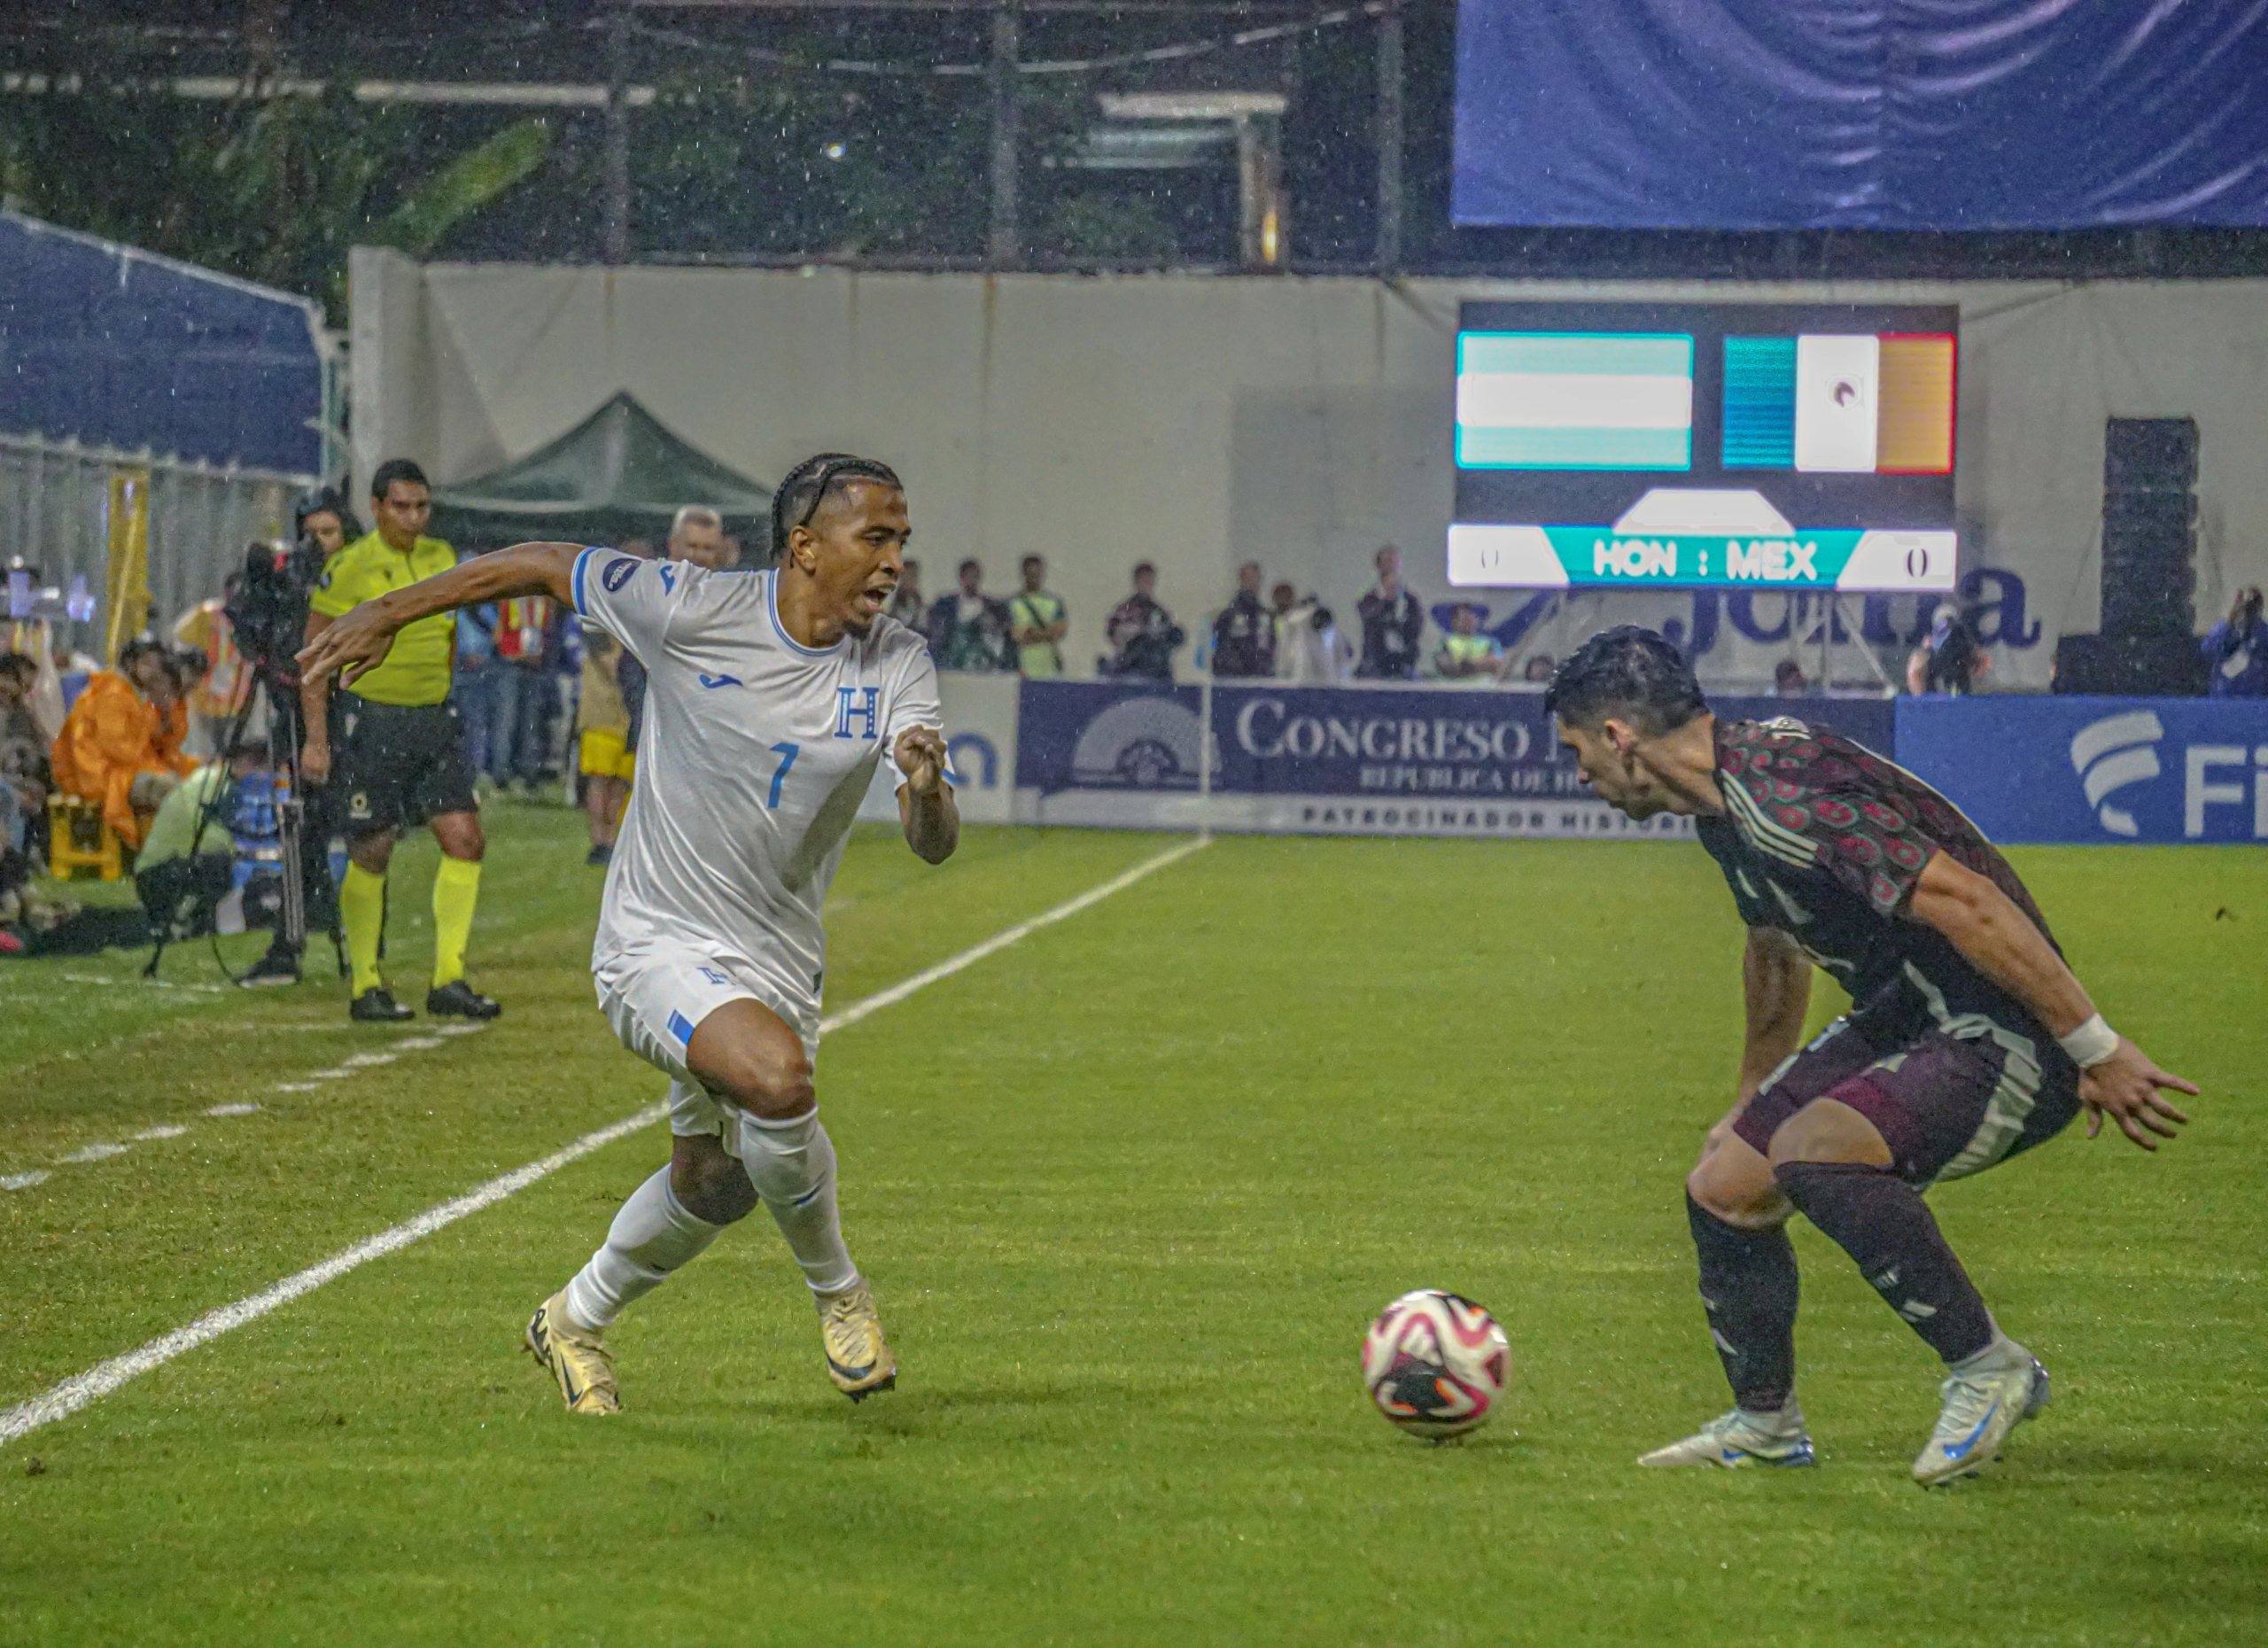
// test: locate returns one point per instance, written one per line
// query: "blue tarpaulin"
(1900, 114)
(112, 346)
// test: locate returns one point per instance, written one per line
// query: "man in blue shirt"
(2236, 650)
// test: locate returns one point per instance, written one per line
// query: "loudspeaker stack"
(2150, 526)
(2148, 643)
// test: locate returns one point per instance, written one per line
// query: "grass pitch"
(1128, 1192)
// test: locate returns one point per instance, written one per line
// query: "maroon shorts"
(1946, 1106)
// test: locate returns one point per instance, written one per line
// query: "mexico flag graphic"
(1827, 403)
(1574, 400)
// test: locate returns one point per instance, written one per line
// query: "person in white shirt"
(1309, 649)
(771, 701)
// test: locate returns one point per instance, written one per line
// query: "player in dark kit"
(1968, 1039)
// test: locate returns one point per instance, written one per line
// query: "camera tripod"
(304, 878)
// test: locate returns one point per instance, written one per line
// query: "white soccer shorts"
(656, 998)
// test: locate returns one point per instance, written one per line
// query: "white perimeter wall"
(1200, 421)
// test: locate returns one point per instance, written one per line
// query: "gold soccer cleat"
(583, 1366)
(858, 1359)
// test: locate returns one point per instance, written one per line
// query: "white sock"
(651, 1236)
(2003, 1352)
(791, 1163)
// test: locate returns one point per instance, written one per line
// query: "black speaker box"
(2136, 666)
(2150, 573)
(2147, 616)
(2167, 545)
(2151, 454)
(2171, 511)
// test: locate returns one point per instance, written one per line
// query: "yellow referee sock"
(363, 913)
(456, 889)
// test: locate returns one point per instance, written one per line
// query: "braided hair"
(804, 488)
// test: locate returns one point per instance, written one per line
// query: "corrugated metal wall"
(55, 506)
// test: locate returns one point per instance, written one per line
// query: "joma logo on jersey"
(851, 705)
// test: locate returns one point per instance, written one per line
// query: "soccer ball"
(1435, 1364)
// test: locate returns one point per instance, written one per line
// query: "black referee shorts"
(394, 765)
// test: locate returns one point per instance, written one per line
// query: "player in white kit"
(771, 699)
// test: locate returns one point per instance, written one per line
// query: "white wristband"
(2091, 1043)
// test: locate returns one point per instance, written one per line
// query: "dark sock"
(1748, 1286)
(1881, 1221)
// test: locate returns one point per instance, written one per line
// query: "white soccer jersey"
(753, 756)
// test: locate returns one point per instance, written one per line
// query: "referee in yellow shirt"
(398, 757)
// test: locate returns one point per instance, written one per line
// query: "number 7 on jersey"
(787, 754)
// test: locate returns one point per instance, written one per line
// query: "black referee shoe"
(377, 1006)
(458, 999)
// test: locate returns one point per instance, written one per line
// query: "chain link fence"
(58, 507)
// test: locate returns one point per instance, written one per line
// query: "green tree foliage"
(276, 191)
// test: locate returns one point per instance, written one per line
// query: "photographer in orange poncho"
(121, 745)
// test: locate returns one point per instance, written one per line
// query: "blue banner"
(1361, 760)
(116, 347)
(2095, 770)
(1902, 114)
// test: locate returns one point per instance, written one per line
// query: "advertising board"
(1334, 760)
(2099, 771)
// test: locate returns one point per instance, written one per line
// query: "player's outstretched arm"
(358, 643)
(925, 801)
(1775, 989)
(2116, 1077)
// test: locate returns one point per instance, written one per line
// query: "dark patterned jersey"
(1824, 840)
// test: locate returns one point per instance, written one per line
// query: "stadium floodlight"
(1194, 106)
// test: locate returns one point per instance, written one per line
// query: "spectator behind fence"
(1244, 634)
(698, 534)
(120, 747)
(472, 686)
(216, 695)
(1465, 654)
(1142, 635)
(525, 705)
(905, 603)
(1949, 661)
(321, 518)
(1037, 623)
(1539, 668)
(2236, 650)
(23, 753)
(45, 700)
(602, 744)
(1309, 649)
(1788, 680)
(1391, 621)
(968, 630)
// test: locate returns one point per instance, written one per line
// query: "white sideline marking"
(146, 984)
(94, 1153)
(76, 1392)
(105, 1377)
(1000, 941)
(313, 1083)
